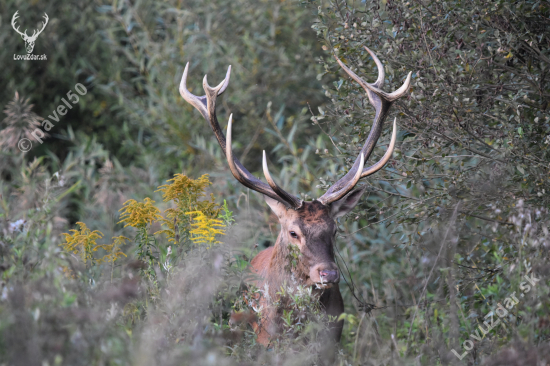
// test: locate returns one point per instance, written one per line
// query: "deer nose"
(329, 276)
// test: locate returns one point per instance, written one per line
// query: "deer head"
(29, 41)
(308, 225)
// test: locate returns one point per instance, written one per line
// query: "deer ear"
(277, 207)
(345, 204)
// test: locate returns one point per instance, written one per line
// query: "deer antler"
(24, 34)
(206, 105)
(381, 101)
(13, 19)
(44, 23)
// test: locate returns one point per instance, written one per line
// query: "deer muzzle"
(329, 276)
(325, 274)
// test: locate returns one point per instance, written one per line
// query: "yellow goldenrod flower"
(82, 242)
(186, 193)
(139, 214)
(204, 229)
(184, 188)
(113, 250)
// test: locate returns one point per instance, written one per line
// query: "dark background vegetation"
(445, 231)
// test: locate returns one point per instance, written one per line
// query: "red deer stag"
(308, 225)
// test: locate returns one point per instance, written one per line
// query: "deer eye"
(294, 235)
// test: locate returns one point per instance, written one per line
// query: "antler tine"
(13, 19)
(382, 102)
(380, 164)
(287, 197)
(44, 23)
(374, 88)
(248, 180)
(381, 75)
(200, 102)
(221, 86)
(229, 154)
(206, 105)
(335, 196)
